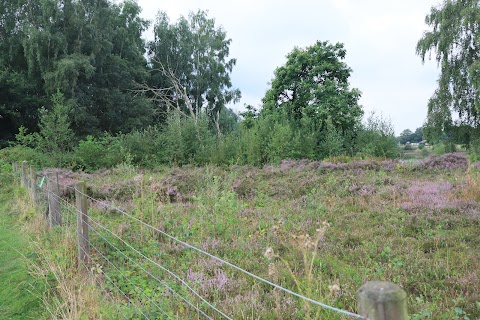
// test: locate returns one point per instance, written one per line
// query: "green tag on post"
(41, 182)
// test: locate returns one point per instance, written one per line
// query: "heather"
(318, 228)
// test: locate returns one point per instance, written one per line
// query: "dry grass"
(70, 292)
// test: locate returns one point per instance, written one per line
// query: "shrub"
(142, 146)
(444, 147)
(21, 153)
(332, 144)
(449, 161)
(184, 140)
(55, 135)
(377, 138)
(93, 153)
(279, 143)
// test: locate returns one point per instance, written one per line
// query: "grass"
(20, 293)
(39, 275)
(321, 229)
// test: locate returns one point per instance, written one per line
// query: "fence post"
(381, 300)
(82, 223)
(24, 174)
(54, 213)
(33, 184)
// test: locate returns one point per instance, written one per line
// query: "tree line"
(92, 53)
(77, 78)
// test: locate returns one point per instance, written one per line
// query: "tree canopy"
(90, 51)
(408, 136)
(191, 57)
(454, 38)
(78, 82)
(314, 83)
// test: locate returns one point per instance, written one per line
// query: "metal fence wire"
(108, 249)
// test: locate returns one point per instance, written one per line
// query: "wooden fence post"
(33, 184)
(82, 223)
(24, 174)
(381, 300)
(54, 209)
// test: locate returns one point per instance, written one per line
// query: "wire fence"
(138, 280)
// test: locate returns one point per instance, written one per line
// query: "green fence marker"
(41, 182)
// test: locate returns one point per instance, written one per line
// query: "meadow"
(321, 229)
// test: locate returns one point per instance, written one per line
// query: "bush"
(55, 135)
(449, 161)
(279, 143)
(444, 147)
(332, 145)
(141, 147)
(376, 138)
(93, 153)
(21, 153)
(184, 140)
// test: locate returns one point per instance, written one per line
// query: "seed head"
(269, 254)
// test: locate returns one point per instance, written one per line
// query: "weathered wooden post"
(33, 184)
(82, 223)
(54, 209)
(381, 300)
(24, 180)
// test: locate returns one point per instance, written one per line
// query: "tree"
(405, 136)
(89, 50)
(55, 134)
(191, 58)
(314, 83)
(376, 137)
(453, 36)
(20, 97)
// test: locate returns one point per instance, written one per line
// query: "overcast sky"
(380, 37)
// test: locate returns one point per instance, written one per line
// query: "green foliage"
(279, 146)
(442, 148)
(104, 152)
(193, 54)
(25, 139)
(452, 34)
(377, 138)
(55, 134)
(91, 51)
(409, 136)
(314, 83)
(185, 140)
(333, 142)
(21, 153)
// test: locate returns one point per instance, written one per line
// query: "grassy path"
(19, 293)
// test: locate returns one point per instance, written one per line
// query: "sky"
(380, 38)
